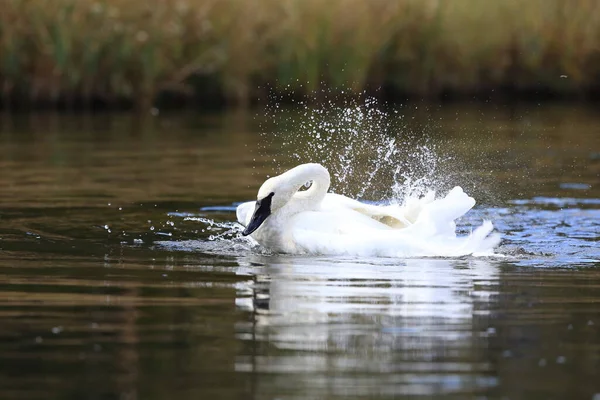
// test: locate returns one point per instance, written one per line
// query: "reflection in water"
(336, 323)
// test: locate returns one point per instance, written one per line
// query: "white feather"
(317, 222)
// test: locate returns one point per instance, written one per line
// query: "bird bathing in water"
(285, 219)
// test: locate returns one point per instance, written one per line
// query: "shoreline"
(138, 54)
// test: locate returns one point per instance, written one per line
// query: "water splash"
(229, 230)
(371, 152)
(213, 237)
(216, 237)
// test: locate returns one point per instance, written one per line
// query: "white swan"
(286, 220)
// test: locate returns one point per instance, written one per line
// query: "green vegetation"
(134, 50)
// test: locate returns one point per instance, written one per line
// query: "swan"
(285, 219)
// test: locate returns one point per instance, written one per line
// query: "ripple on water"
(550, 232)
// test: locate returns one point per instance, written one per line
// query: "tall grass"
(133, 50)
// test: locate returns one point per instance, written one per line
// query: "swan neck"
(320, 185)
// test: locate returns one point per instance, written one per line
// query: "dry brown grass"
(135, 49)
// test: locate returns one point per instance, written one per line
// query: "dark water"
(111, 289)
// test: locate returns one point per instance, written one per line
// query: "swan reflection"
(417, 321)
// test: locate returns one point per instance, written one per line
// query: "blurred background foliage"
(81, 53)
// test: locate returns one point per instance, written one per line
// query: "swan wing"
(393, 215)
(355, 232)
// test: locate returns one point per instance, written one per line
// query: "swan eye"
(305, 186)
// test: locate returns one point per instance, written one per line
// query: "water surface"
(121, 276)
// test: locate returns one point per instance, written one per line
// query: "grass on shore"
(133, 50)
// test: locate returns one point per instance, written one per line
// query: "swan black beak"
(261, 212)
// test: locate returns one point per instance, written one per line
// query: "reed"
(132, 50)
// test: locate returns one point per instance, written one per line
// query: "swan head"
(277, 191)
(272, 196)
(262, 210)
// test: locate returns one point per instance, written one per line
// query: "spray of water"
(370, 151)
(217, 230)
(216, 237)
